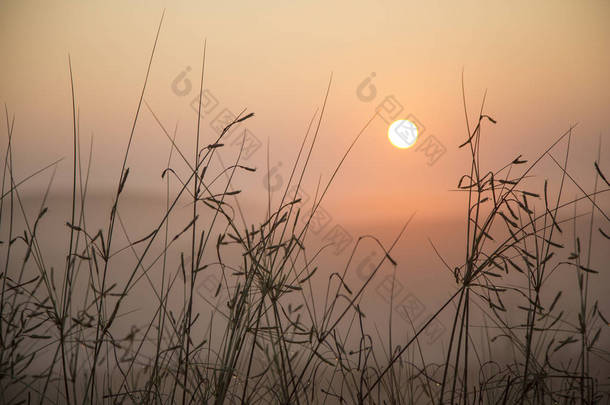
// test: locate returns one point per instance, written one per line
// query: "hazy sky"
(544, 65)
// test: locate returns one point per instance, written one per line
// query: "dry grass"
(271, 339)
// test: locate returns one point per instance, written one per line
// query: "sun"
(402, 134)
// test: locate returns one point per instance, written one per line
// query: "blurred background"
(541, 67)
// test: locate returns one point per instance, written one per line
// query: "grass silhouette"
(268, 337)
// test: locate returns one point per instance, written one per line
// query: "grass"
(269, 335)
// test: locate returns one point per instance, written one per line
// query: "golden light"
(402, 134)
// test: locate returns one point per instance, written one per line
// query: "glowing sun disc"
(402, 134)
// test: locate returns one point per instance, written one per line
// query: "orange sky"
(545, 66)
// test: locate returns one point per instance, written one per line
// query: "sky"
(544, 67)
(541, 67)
